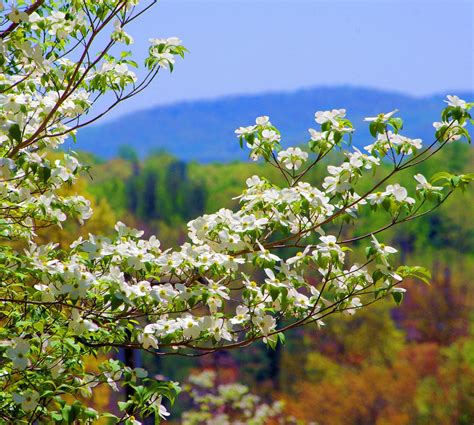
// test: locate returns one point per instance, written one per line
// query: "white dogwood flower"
(382, 117)
(27, 399)
(423, 183)
(322, 117)
(292, 158)
(456, 101)
(18, 352)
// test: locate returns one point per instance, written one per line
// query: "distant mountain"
(204, 130)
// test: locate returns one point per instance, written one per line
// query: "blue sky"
(238, 47)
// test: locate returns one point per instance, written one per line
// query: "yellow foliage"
(101, 222)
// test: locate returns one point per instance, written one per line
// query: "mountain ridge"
(203, 130)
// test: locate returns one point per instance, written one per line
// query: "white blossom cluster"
(45, 93)
(229, 404)
(275, 263)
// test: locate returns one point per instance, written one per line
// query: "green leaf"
(441, 176)
(455, 180)
(396, 123)
(397, 297)
(44, 173)
(417, 272)
(15, 132)
(124, 405)
(56, 416)
(274, 292)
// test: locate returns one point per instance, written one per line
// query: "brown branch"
(71, 87)
(35, 6)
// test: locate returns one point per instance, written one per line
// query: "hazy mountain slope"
(204, 130)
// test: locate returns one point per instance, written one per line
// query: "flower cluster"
(163, 52)
(334, 127)
(204, 293)
(292, 158)
(230, 404)
(400, 144)
(276, 259)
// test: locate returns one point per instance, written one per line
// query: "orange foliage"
(440, 312)
(424, 384)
